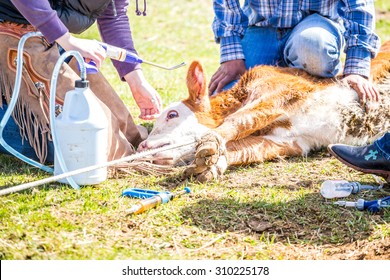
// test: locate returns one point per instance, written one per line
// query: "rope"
(90, 168)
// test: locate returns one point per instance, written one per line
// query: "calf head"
(182, 122)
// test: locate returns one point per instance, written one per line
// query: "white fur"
(318, 122)
(182, 129)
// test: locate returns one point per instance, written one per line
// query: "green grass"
(383, 22)
(265, 211)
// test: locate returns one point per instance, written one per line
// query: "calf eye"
(172, 114)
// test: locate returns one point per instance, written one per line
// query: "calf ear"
(196, 82)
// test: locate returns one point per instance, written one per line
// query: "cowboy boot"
(367, 159)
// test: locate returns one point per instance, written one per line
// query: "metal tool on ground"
(90, 168)
(152, 201)
(121, 54)
(342, 188)
(370, 205)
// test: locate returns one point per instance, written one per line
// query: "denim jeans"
(383, 145)
(314, 45)
(11, 136)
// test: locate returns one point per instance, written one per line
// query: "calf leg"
(258, 149)
(244, 151)
(239, 125)
(246, 121)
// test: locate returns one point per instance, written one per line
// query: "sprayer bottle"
(82, 133)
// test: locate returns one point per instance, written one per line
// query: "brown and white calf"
(271, 112)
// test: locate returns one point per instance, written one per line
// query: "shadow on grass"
(15, 172)
(12, 165)
(307, 220)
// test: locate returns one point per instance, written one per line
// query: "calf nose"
(143, 146)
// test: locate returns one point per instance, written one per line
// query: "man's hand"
(364, 88)
(146, 97)
(89, 49)
(227, 72)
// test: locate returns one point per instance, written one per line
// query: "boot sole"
(383, 173)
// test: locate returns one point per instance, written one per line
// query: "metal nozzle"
(164, 67)
(133, 209)
(344, 203)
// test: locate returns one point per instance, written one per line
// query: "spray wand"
(150, 198)
(120, 54)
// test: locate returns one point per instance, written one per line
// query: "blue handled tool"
(141, 193)
(370, 205)
(150, 198)
(125, 56)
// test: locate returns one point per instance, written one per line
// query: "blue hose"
(53, 84)
(11, 105)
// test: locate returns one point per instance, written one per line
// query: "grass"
(263, 211)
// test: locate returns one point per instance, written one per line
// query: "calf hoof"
(206, 160)
(202, 177)
(210, 148)
(204, 174)
(194, 170)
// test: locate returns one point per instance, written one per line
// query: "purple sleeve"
(115, 30)
(40, 15)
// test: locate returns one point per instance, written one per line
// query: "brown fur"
(243, 115)
(271, 112)
(291, 83)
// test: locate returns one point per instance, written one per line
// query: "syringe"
(370, 205)
(154, 201)
(121, 54)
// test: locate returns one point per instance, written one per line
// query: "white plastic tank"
(82, 134)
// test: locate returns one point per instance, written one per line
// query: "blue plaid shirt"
(358, 16)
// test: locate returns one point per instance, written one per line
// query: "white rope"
(90, 168)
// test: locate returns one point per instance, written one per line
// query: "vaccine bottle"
(339, 188)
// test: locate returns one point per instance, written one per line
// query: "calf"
(271, 112)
